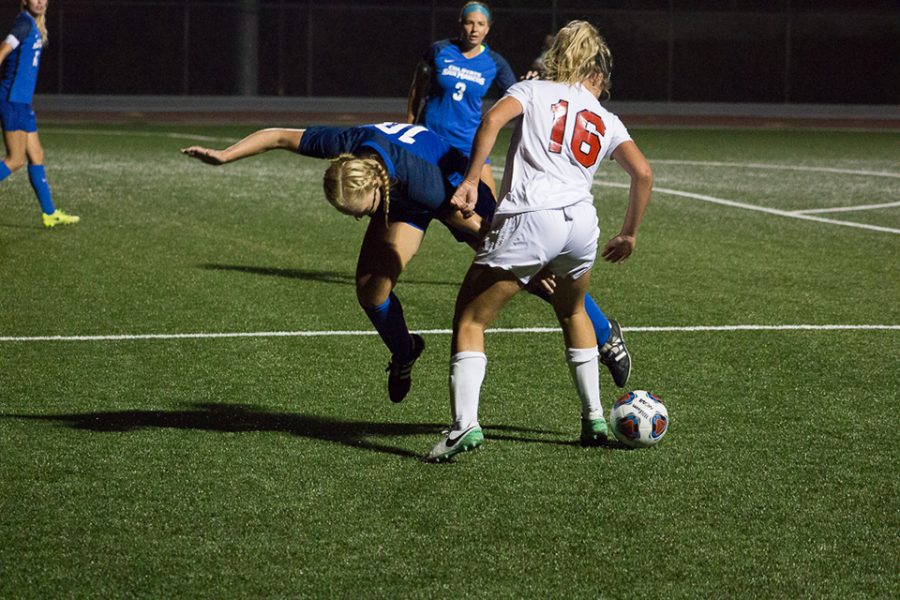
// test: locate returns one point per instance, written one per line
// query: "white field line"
(810, 211)
(163, 134)
(791, 214)
(518, 330)
(707, 163)
(762, 209)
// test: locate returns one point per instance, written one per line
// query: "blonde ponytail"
(578, 53)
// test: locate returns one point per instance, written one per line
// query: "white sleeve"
(12, 41)
(617, 134)
(522, 91)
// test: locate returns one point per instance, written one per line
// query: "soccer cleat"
(58, 218)
(594, 432)
(455, 442)
(400, 374)
(615, 355)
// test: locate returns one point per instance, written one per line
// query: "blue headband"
(476, 7)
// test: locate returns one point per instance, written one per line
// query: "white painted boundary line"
(275, 334)
(707, 163)
(762, 209)
(810, 211)
(162, 134)
(805, 215)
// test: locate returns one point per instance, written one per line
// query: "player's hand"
(207, 155)
(546, 281)
(619, 248)
(464, 198)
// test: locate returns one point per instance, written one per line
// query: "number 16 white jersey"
(557, 146)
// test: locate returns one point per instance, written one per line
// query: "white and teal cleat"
(455, 442)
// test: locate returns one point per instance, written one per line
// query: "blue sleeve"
(21, 28)
(505, 76)
(327, 142)
(430, 54)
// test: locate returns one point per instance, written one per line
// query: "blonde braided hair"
(348, 181)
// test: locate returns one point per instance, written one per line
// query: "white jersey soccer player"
(557, 146)
(559, 143)
(545, 220)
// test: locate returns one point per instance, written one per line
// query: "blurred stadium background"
(790, 59)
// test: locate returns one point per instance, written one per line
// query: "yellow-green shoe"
(59, 218)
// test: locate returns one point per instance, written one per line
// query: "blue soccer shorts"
(17, 116)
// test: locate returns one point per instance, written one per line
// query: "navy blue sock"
(4, 171)
(598, 319)
(391, 326)
(38, 179)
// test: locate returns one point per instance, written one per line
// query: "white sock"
(466, 374)
(583, 367)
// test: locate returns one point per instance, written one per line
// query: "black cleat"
(615, 355)
(400, 374)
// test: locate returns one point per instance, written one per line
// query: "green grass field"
(275, 466)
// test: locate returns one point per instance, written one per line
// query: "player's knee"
(14, 163)
(370, 296)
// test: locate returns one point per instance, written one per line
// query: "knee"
(14, 164)
(371, 296)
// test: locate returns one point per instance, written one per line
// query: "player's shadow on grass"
(237, 418)
(311, 275)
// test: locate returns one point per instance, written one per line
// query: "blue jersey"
(20, 69)
(453, 103)
(424, 169)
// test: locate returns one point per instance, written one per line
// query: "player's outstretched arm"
(630, 158)
(504, 110)
(255, 143)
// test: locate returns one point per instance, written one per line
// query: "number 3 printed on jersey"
(585, 138)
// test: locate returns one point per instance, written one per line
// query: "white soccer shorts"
(565, 239)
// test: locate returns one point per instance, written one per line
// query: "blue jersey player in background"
(453, 77)
(20, 57)
(402, 177)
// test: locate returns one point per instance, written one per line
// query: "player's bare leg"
(581, 355)
(483, 294)
(385, 252)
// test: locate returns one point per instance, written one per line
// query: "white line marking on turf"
(792, 214)
(707, 163)
(272, 334)
(165, 134)
(810, 211)
(700, 163)
(762, 209)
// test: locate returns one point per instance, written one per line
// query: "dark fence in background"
(794, 51)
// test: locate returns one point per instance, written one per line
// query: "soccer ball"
(639, 419)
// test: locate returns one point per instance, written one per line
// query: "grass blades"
(276, 466)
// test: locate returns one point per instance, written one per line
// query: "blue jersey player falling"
(453, 77)
(402, 177)
(20, 57)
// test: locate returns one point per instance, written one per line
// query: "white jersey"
(557, 146)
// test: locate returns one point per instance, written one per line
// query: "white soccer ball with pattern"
(639, 419)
